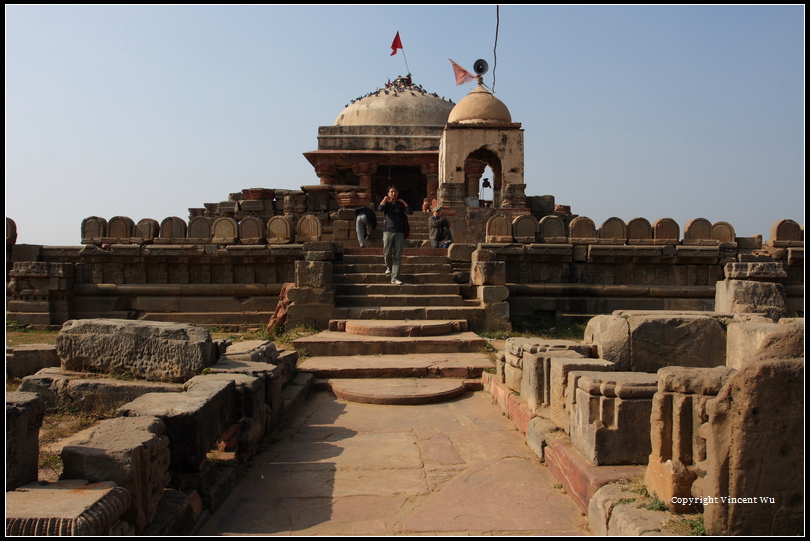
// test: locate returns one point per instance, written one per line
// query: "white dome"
(398, 104)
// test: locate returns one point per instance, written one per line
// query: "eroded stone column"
(755, 452)
(752, 287)
(313, 297)
(679, 408)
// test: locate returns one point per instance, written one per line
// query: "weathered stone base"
(71, 507)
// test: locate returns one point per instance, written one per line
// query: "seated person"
(439, 229)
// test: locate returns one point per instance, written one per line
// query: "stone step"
(387, 288)
(467, 311)
(339, 343)
(406, 365)
(379, 278)
(408, 392)
(406, 252)
(378, 267)
(377, 327)
(376, 256)
(381, 299)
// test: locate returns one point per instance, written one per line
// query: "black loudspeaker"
(480, 67)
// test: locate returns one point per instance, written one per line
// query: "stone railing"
(497, 227)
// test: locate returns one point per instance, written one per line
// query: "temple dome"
(400, 103)
(479, 106)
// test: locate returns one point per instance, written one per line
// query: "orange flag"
(462, 75)
(396, 44)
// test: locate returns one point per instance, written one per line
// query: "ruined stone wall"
(208, 285)
(121, 476)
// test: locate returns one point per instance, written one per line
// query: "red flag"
(462, 75)
(396, 44)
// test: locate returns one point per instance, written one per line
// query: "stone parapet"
(595, 271)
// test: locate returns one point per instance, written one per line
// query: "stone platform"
(375, 327)
(399, 391)
(342, 343)
(426, 365)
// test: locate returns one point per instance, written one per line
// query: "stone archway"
(474, 166)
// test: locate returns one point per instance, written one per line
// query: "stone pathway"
(345, 468)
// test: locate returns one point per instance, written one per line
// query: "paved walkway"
(343, 468)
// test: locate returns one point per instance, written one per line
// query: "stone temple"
(428, 147)
(690, 374)
(513, 254)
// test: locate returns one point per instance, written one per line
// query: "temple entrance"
(409, 180)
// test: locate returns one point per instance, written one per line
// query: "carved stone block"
(610, 420)
(133, 453)
(24, 414)
(152, 350)
(71, 507)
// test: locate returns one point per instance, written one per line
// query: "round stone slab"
(378, 327)
(398, 391)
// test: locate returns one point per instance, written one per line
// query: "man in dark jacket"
(394, 228)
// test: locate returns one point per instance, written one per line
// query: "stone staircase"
(430, 288)
(399, 344)
(395, 361)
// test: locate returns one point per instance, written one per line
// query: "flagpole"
(397, 44)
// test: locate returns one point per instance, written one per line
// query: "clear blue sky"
(146, 111)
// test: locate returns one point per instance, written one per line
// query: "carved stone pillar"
(364, 170)
(678, 410)
(473, 169)
(431, 172)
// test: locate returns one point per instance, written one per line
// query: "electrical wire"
(495, 48)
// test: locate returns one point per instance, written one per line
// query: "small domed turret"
(479, 106)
